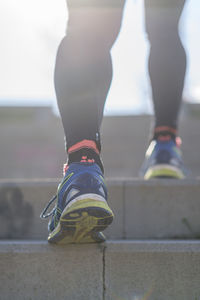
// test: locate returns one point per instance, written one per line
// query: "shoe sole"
(164, 171)
(82, 221)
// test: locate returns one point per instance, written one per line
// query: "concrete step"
(124, 142)
(157, 209)
(130, 135)
(153, 270)
(131, 270)
(36, 270)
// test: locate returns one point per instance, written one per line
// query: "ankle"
(85, 151)
(165, 133)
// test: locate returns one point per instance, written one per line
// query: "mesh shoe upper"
(163, 157)
(80, 178)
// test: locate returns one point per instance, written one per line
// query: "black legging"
(83, 69)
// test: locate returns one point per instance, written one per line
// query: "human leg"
(83, 69)
(167, 64)
(167, 59)
(82, 78)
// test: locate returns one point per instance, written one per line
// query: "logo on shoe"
(87, 160)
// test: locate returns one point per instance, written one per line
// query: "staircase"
(152, 251)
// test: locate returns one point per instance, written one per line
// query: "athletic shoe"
(163, 159)
(81, 211)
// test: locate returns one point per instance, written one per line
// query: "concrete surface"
(32, 143)
(21, 203)
(162, 209)
(157, 209)
(152, 270)
(125, 140)
(35, 270)
(130, 270)
(116, 202)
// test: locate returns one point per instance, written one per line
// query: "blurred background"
(31, 135)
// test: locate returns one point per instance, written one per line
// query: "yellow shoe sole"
(164, 171)
(82, 222)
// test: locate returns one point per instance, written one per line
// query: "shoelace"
(43, 213)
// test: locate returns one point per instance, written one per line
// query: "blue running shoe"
(81, 211)
(163, 159)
